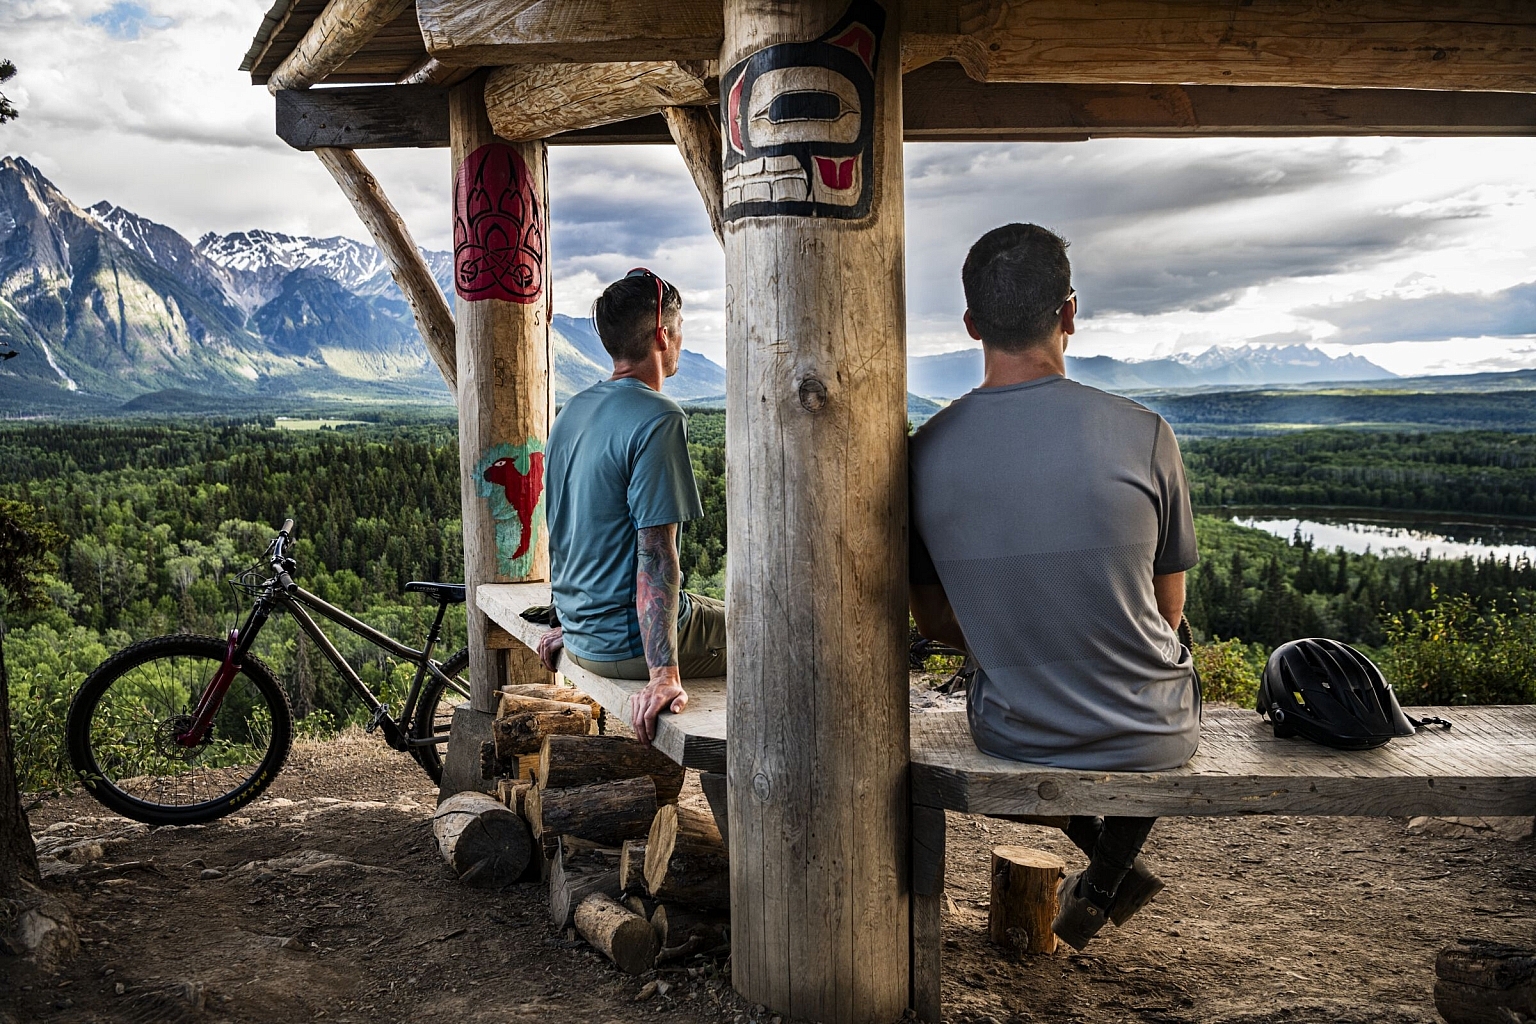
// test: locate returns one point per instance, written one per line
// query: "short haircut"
(625, 315)
(1015, 279)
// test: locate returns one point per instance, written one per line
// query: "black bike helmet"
(1330, 693)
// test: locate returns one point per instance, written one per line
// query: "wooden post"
(816, 439)
(1024, 898)
(506, 403)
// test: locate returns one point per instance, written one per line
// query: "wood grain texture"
(368, 117)
(498, 32)
(1485, 45)
(696, 131)
(694, 739)
(407, 266)
(535, 101)
(340, 31)
(686, 859)
(1485, 765)
(928, 833)
(606, 813)
(943, 104)
(816, 440)
(617, 932)
(505, 396)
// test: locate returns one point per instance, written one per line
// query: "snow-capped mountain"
(952, 374)
(104, 304)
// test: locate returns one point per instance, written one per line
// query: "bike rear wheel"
(434, 712)
(124, 722)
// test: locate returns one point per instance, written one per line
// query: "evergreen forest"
(153, 517)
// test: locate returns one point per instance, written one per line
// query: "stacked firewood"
(642, 878)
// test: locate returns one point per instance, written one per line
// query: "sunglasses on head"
(660, 289)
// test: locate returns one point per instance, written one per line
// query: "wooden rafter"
(342, 29)
(406, 264)
(535, 101)
(943, 104)
(1487, 45)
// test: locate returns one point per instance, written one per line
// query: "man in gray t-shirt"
(1051, 529)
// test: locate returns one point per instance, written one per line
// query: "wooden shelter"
(791, 116)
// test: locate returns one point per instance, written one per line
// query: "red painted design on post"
(523, 491)
(498, 228)
(836, 174)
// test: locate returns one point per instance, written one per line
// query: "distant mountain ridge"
(107, 305)
(952, 374)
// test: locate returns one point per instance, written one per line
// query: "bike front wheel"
(434, 712)
(124, 723)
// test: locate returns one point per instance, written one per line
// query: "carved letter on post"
(511, 478)
(498, 228)
(799, 123)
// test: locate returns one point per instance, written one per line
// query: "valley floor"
(331, 904)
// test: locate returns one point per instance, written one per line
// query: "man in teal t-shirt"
(618, 482)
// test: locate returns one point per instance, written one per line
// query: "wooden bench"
(1485, 765)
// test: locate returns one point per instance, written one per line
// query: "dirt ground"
(326, 901)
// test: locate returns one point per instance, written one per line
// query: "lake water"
(1442, 539)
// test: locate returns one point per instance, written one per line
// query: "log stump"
(622, 936)
(1024, 898)
(605, 813)
(1478, 982)
(523, 732)
(483, 841)
(566, 761)
(686, 860)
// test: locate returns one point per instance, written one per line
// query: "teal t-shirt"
(616, 462)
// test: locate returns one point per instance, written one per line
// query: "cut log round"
(674, 924)
(514, 794)
(606, 813)
(1024, 898)
(523, 732)
(566, 761)
(685, 859)
(621, 935)
(1478, 981)
(484, 842)
(553, 691)
(632, 866)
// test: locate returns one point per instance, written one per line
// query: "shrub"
(1451, 654)
(1229, 671)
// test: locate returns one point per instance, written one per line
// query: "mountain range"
(106, 308)
(952, 374)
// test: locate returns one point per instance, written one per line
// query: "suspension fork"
(238, 643)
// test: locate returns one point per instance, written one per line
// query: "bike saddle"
(448, 593)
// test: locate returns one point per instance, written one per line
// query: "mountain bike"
(183, 729)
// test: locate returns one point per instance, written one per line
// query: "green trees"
(1450, 653)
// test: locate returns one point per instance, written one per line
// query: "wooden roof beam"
(942, 104)
(342, 29)
(535, 101)
(495, 32)
(1484, 45)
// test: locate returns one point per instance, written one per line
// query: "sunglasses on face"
(660, 289)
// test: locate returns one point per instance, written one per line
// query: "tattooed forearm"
(658, 578)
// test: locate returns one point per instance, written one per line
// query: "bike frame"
(281, 594)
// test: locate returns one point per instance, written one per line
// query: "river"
(1397, 533)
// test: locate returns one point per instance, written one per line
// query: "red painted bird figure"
(523, 493)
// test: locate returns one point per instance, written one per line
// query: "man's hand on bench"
(663, 693)
(550, 646)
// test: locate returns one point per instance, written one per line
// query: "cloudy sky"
(1418, 254)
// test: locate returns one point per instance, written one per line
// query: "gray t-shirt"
(1045, 509)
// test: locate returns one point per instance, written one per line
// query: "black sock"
(1094, 894)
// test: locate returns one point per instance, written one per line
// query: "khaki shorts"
(700, 646)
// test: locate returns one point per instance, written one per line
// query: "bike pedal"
(379, 718)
